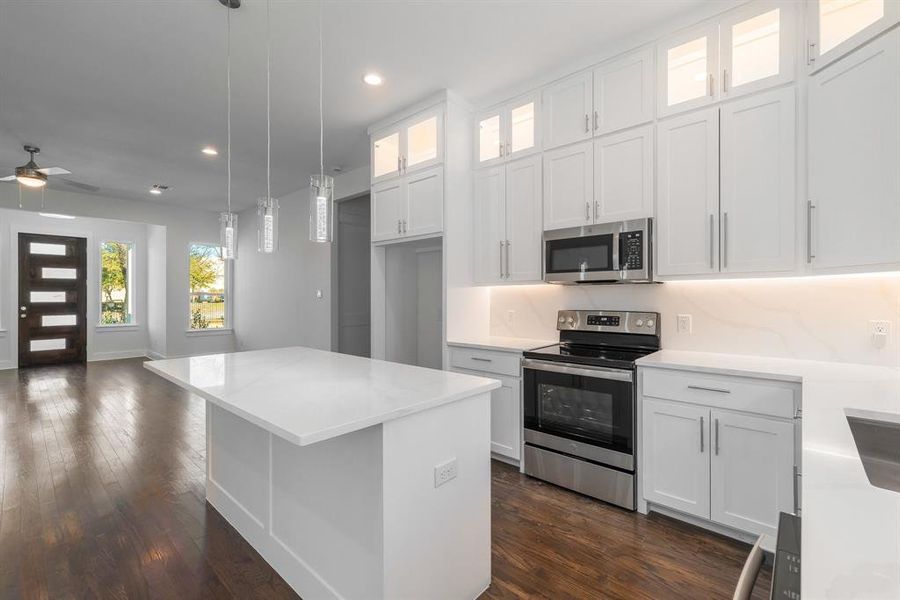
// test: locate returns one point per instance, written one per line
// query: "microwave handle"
(615, 251)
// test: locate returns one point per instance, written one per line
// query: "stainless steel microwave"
(606, 253)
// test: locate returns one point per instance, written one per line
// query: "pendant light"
(321, 186)
(267, 208)
(228, 221)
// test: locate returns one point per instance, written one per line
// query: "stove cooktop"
(585, 354)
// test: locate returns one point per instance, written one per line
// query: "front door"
(52, 299)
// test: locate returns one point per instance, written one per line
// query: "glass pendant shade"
(228, 235)
(321, 202)
(267, 225)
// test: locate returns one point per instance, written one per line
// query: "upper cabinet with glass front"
(413, 144)
(749, 49)
(508, 131)
(838, 26)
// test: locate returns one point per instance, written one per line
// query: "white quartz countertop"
(850, 529)
(496, 342)
(307, 396)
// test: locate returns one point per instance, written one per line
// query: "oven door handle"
(584, 371)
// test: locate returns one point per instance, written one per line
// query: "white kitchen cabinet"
(757, 44)
(836, 27)
(623, 175)
(759, 201)
(688, 65)
(687, 226)
(409, 206)
(508, 132)
(624, 92)
(752, 471)
(676, 468)
(508, 222)
(853, 211)
(568, 186)
(567, 110)
(415, 143)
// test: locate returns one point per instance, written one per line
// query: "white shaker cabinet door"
(624, 93)
(759, 205)
(489, 226)
(506, 418)
(752, 471)
(623, 180)
(853, 211)
(676, 456)
(424, 201)
(524, 213)
(687, 224)
(568, 108)
(568, 186)
(387, 210)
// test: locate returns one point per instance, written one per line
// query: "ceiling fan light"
(30, 176)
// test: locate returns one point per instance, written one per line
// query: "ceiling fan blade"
(10, 178)
(55, 171)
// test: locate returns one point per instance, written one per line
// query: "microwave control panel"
(631, 250)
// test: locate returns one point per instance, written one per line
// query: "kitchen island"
(353, 478)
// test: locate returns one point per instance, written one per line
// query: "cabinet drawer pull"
(701, 435)
(709, 389)
(479, 359)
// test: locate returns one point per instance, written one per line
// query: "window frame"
(228, 275)
(131, 286)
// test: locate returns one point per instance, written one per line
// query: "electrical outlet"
(445, 471)
(510, 317)
(684, 324)
(880, 331)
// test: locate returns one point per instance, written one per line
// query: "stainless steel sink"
(877, 437)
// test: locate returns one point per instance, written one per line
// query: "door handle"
(701, 435)
(717, 437)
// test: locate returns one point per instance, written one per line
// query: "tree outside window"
(207, 282)
(116, 301)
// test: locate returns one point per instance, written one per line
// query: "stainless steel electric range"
(579, 402)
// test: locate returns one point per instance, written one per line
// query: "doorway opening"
(351, 328)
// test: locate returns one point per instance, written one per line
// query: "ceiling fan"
(31, 175)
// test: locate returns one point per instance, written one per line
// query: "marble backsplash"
(816, 318)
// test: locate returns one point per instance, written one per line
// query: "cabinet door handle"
(404, 164)
(508, 148)
(717, 437)
(809, 231)
(501, 259)
(399, 227)
(725, 79)
(797, 476)
(507, 259)
(725, 240)
(587, 212)
(712, 90)
(405, 227)
(596, 120)
(587, 123)
(711, 241)
(701, 435)
(501, 149)
(810, 55)
(399, 164)
(709, 389)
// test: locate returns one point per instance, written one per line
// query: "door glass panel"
(48, 297)
(385, 155)
(489, 138)
(755, 48)
(687, 71)
(58, 273)
(54, 249)
(55, 344)
(422, 141)
(523, 127)
(58, 320)
(839, 20)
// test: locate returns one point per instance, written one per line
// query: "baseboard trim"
(6, 364)
(155, 355)
(98, 356)
(725, 530)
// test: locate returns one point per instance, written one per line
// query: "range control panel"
(615, 321)
(631, 250)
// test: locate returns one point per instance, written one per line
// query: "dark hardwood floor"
(102, 475)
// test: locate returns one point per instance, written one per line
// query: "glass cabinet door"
(687, 67)
(386, 156)
(423, 141)
(757, 47)
(522, 127)
(489, 137)
(838, 26)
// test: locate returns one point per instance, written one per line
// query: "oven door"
(582, 410)
(580, 255)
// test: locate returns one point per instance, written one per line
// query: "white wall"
(156, 294)
(816, 318)
(275, 301)
(183, 226)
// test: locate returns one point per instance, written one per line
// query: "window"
(116, 283)
(207, 283)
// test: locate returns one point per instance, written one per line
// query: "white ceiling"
(124, 93)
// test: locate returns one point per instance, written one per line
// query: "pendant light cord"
(321, 100)
(228, 101)
(268, 104)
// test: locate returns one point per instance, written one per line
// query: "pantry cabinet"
(720, 447)
(853, 212)
(508, 132)
(837, 27)
(508, 222)
(409, 206)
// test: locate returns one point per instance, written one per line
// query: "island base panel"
(359, 516)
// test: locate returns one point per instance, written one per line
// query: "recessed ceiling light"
(210, 151)
(158, 189)
(373, 78)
